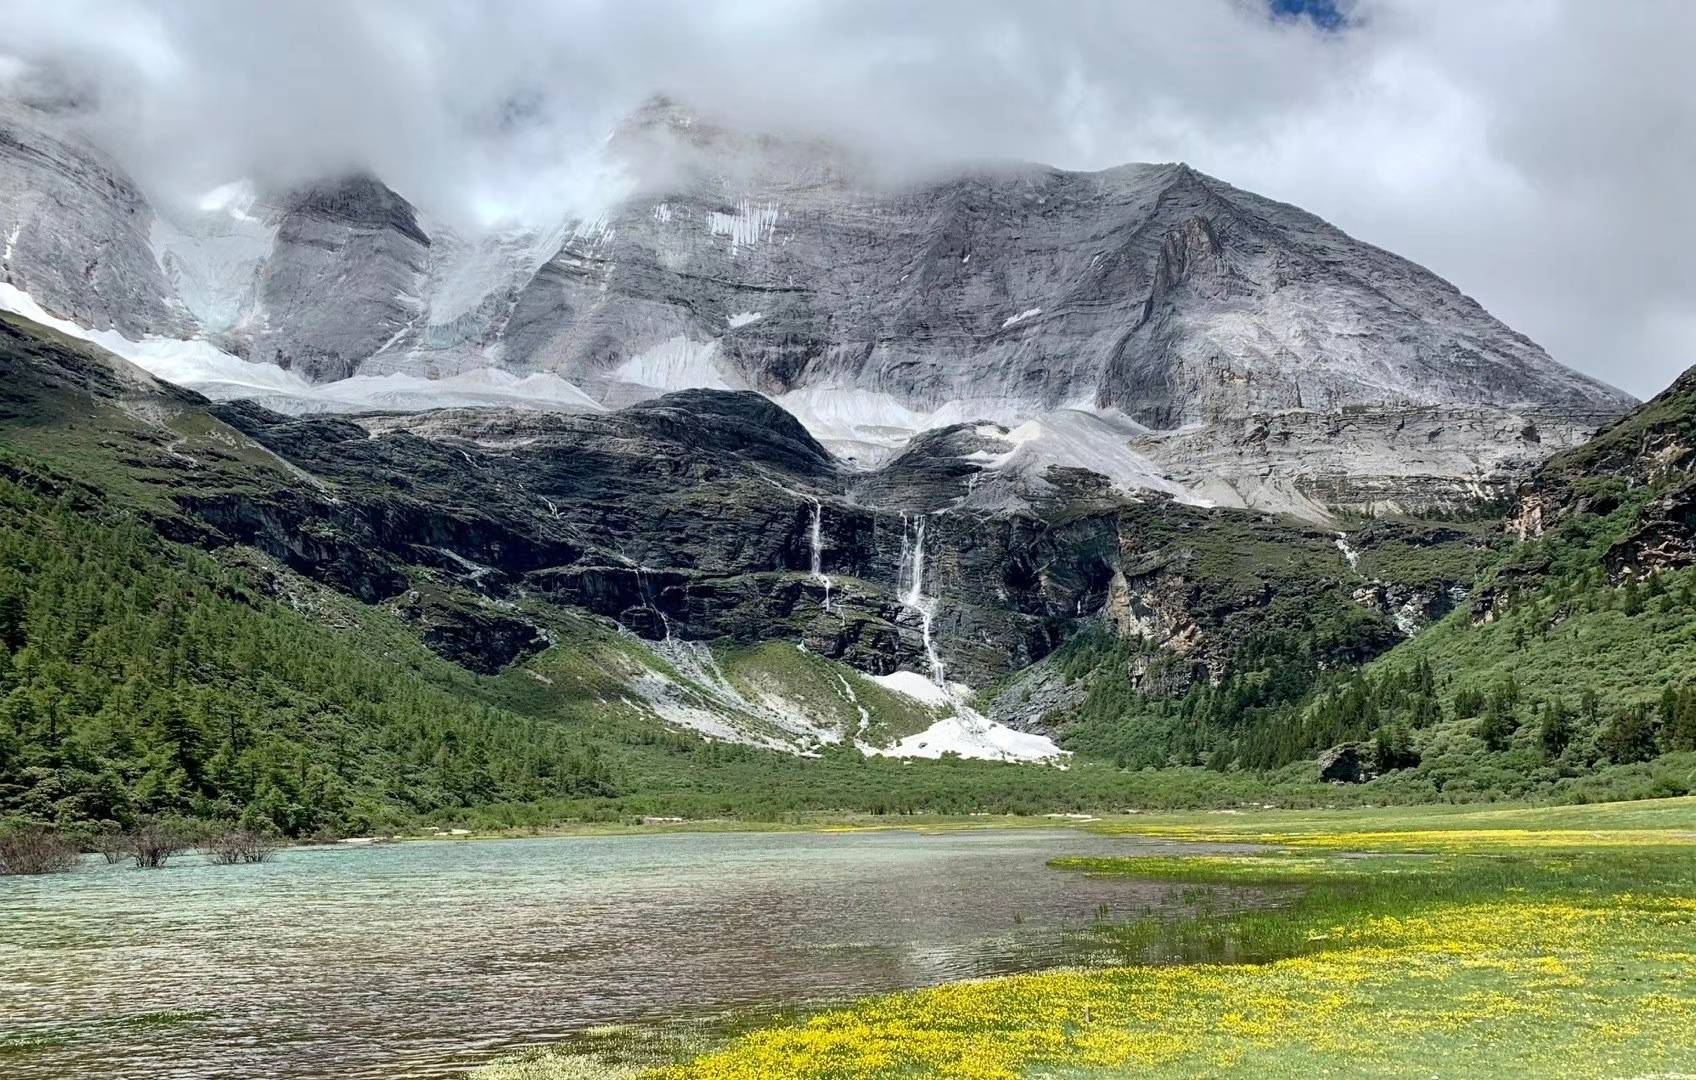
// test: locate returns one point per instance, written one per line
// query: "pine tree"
(1681, 729)
(1630, 736)
(1555, 731)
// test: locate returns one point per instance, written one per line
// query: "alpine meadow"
(580, 542)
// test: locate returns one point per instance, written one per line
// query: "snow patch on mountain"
(465, 273)
(864, 426)
(480, 387)
(913, 685)
(748, 224)
(235, 199)
(184, 362)
(675, 364)
(967, 732)
(222, 376)
(214, 257)
(1073, 438)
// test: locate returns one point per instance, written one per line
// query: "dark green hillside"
(139, 677)
(1569, 669)
(191, 622)
(142, 677)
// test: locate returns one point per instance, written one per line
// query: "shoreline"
(1481, 933)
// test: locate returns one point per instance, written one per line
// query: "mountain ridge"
(698, 567)
(1147, 292)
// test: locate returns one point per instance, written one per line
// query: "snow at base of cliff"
(222, 376)
(973, 736)
(967, 733)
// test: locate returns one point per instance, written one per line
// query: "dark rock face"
(362, 202)
(1346, 764)
(689, 516)
(343, 281)
(475, 637)
(304, 535)
(1663, 538)
(742, 424)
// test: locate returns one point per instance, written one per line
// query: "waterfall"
(915, 585)
(937, 674)
(962, 729)
(914, 598)
(818, 551)
(648, 600)
(1350, 555)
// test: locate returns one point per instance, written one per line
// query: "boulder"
(1345, 764)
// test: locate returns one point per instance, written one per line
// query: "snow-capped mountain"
(1149, 323)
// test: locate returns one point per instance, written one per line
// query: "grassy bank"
(1549, 941)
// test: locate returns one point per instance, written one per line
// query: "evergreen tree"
(1555, 730)
(1631, 735)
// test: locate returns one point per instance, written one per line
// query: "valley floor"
(1460, 942)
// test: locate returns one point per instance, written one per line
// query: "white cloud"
(1535, 152)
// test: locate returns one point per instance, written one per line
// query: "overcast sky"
(1537, 153)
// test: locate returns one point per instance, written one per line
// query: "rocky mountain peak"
(358, 201)
(1097, 306)
(737, 423)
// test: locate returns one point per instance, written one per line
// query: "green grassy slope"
(142, 676)
(139, 676)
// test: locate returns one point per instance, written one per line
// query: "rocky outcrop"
(74, 228)
(1642, 468)
(1411, 607)
(1036, 699)
(477, 637)
(344, 281)
(1663, 537)
(1346, 764)
(1402, 460)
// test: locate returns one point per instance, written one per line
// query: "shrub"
(240, 846)
(113, 845)
(153, 844)
(30, 848)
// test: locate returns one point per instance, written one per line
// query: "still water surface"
(423, 959)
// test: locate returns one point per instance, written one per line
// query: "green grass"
(1421, 560)
(816, 684)
(1673, 816)
(1568, 953)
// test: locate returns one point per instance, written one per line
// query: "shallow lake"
(423, 959)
